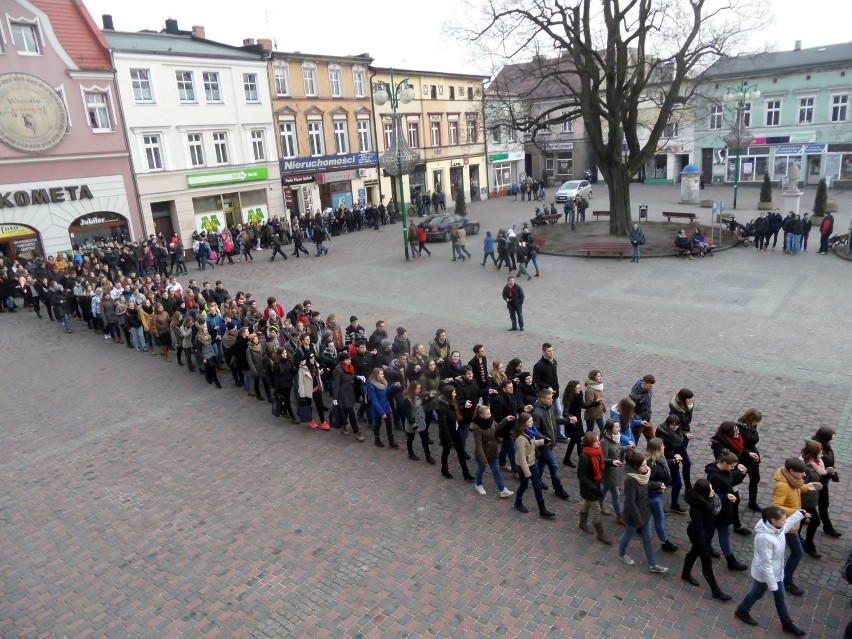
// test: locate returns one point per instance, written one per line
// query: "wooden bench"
(680, 216)
(605, 248)
(838, 240)
(545, 219)
(599, 214)
(693, 250)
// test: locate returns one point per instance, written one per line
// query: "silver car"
(573, 188)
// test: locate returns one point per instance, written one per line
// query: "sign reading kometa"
(33, 118)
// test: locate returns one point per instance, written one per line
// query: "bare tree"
(608, 60)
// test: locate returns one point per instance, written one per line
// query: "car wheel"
(447, 236)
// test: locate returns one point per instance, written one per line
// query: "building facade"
(200, 128)
(325, 138)
(801, 117)
(445, 124)
(505, 146)
(65, 172)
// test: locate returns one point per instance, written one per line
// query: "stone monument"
(792, 195)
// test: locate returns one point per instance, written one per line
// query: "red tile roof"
(77, 32)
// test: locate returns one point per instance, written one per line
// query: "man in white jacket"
(767, 566)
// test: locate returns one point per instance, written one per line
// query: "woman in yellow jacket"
(789, 486)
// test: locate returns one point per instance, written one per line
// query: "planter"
(765, 206)
(706, 204)
(831, 207)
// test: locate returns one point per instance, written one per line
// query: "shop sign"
(257, 214)
(788, 149)
(559, 146)
(288, 198)
(33, 118)
(290, 180)
(815, 149)
(14, 230)
(337, 176)
(29, 244)
(327, 162)
(212, 222)
(496, 157)
(11, 199)
(97, 218)
(213, 178)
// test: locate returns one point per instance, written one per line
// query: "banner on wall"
(213, 222)
(257, 214)
(341, 199)
(309, 200)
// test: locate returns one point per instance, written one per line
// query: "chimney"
(248, 42)
(198, 31)
(797, 46)
(172, 26)
(265, 44)
(107, 20)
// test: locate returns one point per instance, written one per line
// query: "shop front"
(504, 170)
(298, 193)
(231, 205)
(96, 228)
(19, 242)
(312, 183)
(559, 162)
(336, 188)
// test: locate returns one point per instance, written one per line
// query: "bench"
(605, 248)
(680, 216)
(545, 219)
(692, 250)
(599, 214)
(838, 240)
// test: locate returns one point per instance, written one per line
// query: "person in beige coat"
(527, 439)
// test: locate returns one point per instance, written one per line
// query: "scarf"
(735, 444)
(532, 431)
(595, 386)
(349, 368)
(818, 466)
(795, 482)
(378, 384)
(640, 479)
(254, 347)
(675, 437)
(598, 463)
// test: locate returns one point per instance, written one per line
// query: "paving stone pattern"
(141, 502)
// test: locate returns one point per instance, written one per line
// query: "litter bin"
(643, 212)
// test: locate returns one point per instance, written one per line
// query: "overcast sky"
(402, 34)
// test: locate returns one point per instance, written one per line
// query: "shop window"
(212, 90)
(97, 107)
(258, 145)
(502, 176)
(140, 80)
(25, 37)
(185, 86)
(364, 144)
(289, 142)
(220, 146)
(195, 142)
(250, 87)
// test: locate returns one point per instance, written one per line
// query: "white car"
(572, 189)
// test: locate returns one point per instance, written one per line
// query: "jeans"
(137, 334)
(758, 590)
(725, 539)
(635, 254)
(677, 484)
(535, 477)
(66, 321)
(516, 314)
(645, 529)
(246, 377)
(507, 452)
(615, 491)
(534, 260)
(217, 351)
(548, 460)
(794, 543)
(495, 470)
(655, 501)
(591, 423)
(557, 412)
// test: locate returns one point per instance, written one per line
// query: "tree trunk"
(618, 185)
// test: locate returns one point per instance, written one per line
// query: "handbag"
(335, 419)
(306, 413)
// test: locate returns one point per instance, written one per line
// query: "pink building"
(65, 172)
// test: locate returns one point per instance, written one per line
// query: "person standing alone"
(513, 295)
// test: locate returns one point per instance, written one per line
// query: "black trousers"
(706, 564)
(277, 251)
(458, 443)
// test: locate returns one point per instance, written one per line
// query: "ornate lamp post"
(399, 159)
(739, 137)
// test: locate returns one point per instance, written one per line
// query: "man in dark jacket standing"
(545, 421)
(761, 232)
(642, 393)
(513, 295)
(545, 376)
(825, 231)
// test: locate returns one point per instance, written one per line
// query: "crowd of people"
(795, 230)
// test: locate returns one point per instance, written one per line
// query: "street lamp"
(398, 159)
(739, 136)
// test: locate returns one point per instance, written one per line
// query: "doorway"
(707, 165)
(161, 212)
(814, 163)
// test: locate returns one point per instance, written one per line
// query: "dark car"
(438, 227)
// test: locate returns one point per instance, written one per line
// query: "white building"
(199, 123)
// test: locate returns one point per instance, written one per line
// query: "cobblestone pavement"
(140, 502)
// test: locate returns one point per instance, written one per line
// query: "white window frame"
(309, 79)
(387, 128)
(471, 125)
(250, 88)
(365, 140)
(335, 80)
(222, 148)
(258, 144)
(567, 126)
(282, 78)
(33, 27)
(495, 135)
(140, 85)
(195, 149)
(212, 82)
(289, 138)
(97, 111)
(340, 129)
(671, 129)
(714, 120)
(316, 139)
(807, 104)
(435, 133)
(840, 103)
(453, 138)
(774, 110)
(359, 82)
(413, 130)
(747, 114)
(181, 83)
(152, 149)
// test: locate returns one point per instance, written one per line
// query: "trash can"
(643, 212)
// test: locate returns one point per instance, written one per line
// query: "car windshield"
(573, 184)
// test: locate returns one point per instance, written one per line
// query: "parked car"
(573, 188)
(438, 227)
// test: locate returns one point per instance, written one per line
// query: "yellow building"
(326, 146)
(445, 124)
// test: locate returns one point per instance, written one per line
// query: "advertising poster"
(257, 214)
(213, 222)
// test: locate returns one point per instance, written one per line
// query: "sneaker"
(626, 560)
(506, 467)
(745, 617)
(106, 336)
(506, 493)
(325, 426)
(313, 424)
(658, 570)
(480, 489)
(668, 546)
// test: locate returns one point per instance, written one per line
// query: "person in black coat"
(750, 456)
(682, 406)
(704, 505)
(724, 474)
(448, 429)
(574, 404)
(283, 372)
(345, 397)
(513, 295)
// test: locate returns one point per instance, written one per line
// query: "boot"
(392, 442)
(714, 588)
(544, 512)
(810, 548)
(584, 523)
(792, 629)
(688, 578)
(733, 564)
(620, 520)
(601, 535)
(519, 506)
(428, 457)
(379, 442)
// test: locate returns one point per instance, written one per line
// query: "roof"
(77, 33)
(168, 44)
(777, 61)
(449, 74)
(535, 79)
(363, 58)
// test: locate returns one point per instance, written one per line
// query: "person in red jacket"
(272, 306)
(421, 240)
(825, 230)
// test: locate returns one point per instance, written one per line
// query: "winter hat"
(400, 330)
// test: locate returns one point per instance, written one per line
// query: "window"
(140, 80)
(335, 81)
(495, 135)
(715, 118)
(806, 110)
(513, 135)
(97, 107)
(282, 79)
(186, 90)
(773, 112)
(838, 108)
(309, 77)
(567, 125)
(220, 144)
(315, 137)
(341, 137)
(153, 153)
(25, 38)
(250, 87)
(454, 133)
(364, 136)
(196, 149)
(212, 93)
(452, 92)
(359, 79)
(670, 130)
(747, 114)
(435, 129)
(502, 175)
(388, 129)
(413, 135)
(258, 145)
(471, 130)
(289, 143)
